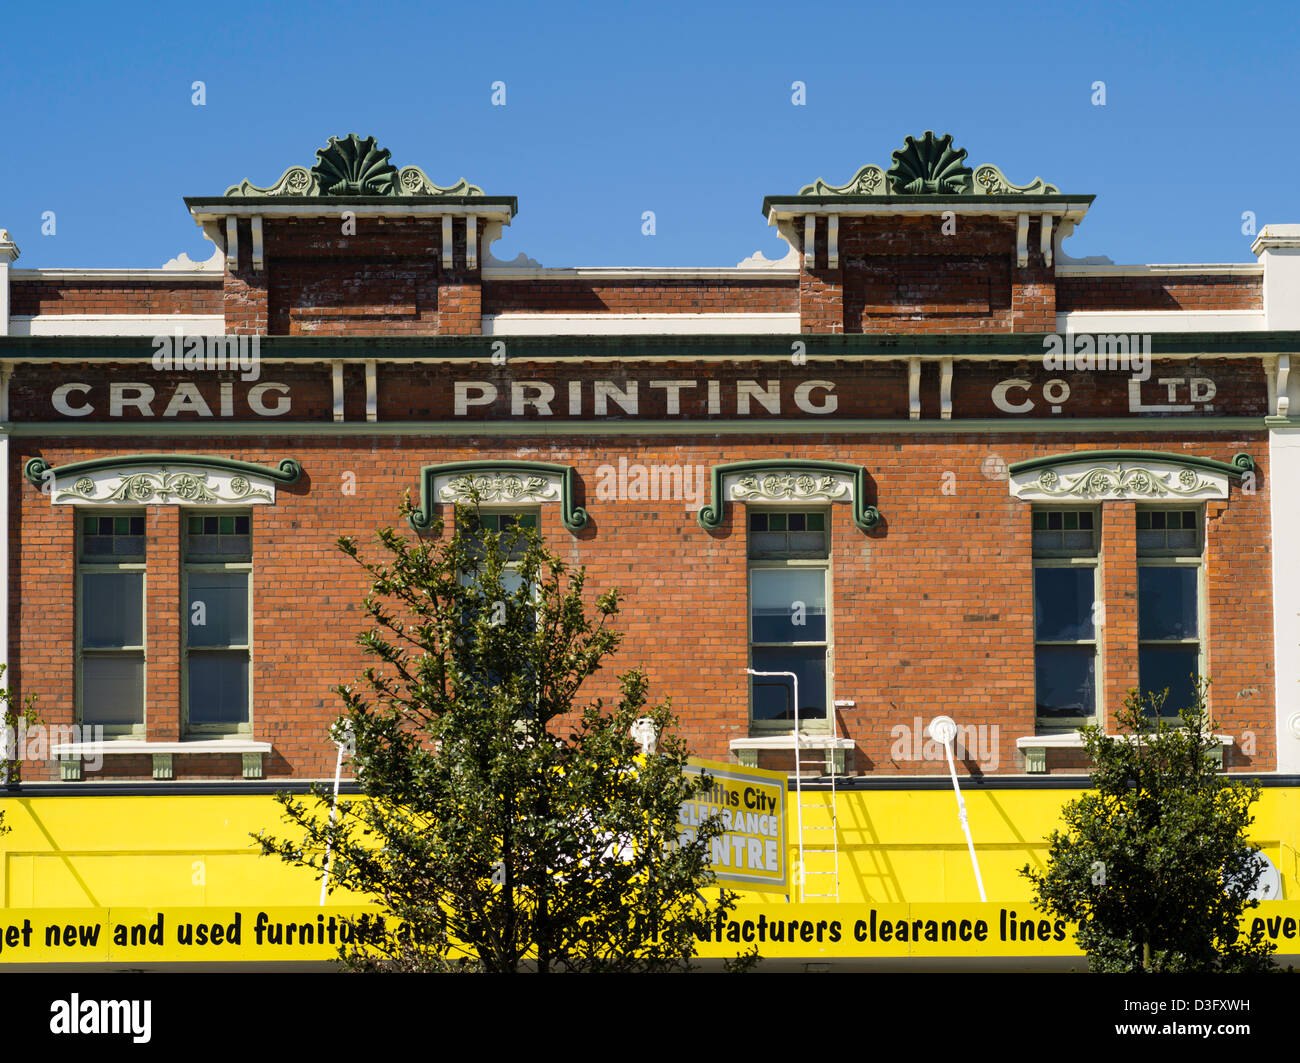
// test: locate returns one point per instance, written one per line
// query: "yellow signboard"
(807, 931)
(751, 854)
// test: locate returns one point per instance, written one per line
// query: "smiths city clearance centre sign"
(751, 853)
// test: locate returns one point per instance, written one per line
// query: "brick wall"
(932, 613)
(905, 274)
(1173, 292)
(33, 297)
(641, 296)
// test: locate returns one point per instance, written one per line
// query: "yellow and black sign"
(751, 854)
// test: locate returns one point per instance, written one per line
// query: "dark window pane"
(797, 522)
(789, 605)
(1174, 667)
(1065, 680)
(1143, 520)
(211, 525)
(776, 521)
(112, 690)
(1085, 519)
(773, 696)
(1167, 602)
(112, 611)
(1063, 600)
(816, 522)
(1054, 521)
(1158, 519)
(1040, 522)
(137, 525)
(758, 522)
(218, 687)
(224, 597)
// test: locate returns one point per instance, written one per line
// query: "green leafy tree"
(15, 718)
(1155, 869)
(504, 826)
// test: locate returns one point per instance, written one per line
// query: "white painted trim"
(372, 392)
(100, 487)
(257, 243)
(977, 207)
(636, 273)
(530, 324)
(1284, 505)
(1045, 239)
(1207, 484)
(130, 747)
(448, 247)
(336, 378)
(839, 488)
(112, 275)
(945, 389)
(833, 242)
(1187, 269)
(807, 740)
(810, 240)
(1074, 740)
(289, 209)
(1112, 321)
(914, 389)
(232, 243)
(471, 242)
(117, 325)
(1022, 240)
(513, 488)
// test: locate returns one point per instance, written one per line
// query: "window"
(1169, 543)
(500, 523)
(1065, 630)
(110, 621)
(218, 638)
(788, 616)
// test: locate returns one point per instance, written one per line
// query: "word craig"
(80, 400)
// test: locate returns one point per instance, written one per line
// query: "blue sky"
(683, 109)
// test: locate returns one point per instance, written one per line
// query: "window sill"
(1035, 747)
(70, 754)
(747, 749)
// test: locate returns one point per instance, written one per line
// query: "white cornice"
(115, 275)
(1074, 211)
(489, 212)
(633, 273)
(1157, 321)
(639, 324)
(117, 324)
(1184, 269)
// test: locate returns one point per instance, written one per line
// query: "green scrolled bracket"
(1241, 463)
(930, 166)
(501, 481)
(868, 181)
(288, 471)
(789, 473)
(993, 182)
(353, 166)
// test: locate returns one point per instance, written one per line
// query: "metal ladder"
(832, 889)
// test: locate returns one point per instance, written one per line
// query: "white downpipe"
(798, 775)
(343, 740)
(944, 729)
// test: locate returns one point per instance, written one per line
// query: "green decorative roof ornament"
(353, 166)
(930, 166)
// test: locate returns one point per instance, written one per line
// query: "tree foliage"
(505, 825)
(1155, 869)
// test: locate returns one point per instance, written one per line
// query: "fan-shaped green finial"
(929, 166)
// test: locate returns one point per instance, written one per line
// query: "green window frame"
(111, 622)
(1171, 601)
(217, 662)
(1066, 588)
(789, 554)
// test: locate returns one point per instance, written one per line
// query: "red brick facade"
(930, 612)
